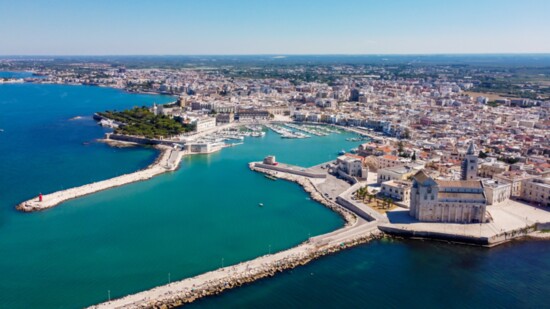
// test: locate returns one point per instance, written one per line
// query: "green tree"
(400, 147)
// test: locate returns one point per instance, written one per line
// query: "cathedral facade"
(456, 201)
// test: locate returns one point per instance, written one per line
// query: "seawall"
(356, 231)
(484, 241)
(214, 282)
(306, 184)
(290, 169)
(168, 160)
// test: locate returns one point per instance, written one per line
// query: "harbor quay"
(510, 220)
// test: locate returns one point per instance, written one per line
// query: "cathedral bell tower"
(469, 165)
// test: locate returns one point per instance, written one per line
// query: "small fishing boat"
(261, 204)
(271, 177)
(342, 152)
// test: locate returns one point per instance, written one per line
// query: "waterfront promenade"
(168, 160)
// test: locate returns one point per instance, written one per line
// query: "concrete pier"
(168, 160)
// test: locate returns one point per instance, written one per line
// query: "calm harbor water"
(181, 224)
(132, 238)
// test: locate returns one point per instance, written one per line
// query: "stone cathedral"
(456, 201)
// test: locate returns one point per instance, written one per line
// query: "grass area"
(489, 95)
(140, 121)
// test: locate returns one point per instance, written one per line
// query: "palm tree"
(370, 197)
(361, 193)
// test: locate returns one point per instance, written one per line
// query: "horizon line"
(282, 54)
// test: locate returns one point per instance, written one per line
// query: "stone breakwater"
(305, 182)
(168, 160)
(214, 282)
(356, 231)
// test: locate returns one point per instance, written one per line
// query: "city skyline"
(273, 28)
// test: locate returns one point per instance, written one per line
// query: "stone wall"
(290, 171)
(138, 140)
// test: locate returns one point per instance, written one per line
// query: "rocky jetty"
(356, 231)
(168, 160)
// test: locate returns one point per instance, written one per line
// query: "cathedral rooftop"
(459, 183)
(462, 195)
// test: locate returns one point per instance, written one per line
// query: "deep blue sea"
(406, 274)
(131, 238)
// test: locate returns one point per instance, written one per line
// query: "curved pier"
(356, 231)
(168, 160)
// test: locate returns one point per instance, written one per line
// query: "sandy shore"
(168, 160)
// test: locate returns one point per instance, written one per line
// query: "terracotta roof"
(385, 149)
(462, 195)
(459, 183)
(354, 156)
(390, 157)
(421, 176)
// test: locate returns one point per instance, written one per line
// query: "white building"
(398, 172)
(351, 166)
(496, 192)
(537, 191)
(397, 189)
(517, 179)
(205, 123)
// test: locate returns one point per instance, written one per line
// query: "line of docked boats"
(358, 139)
(231, 135)
(312, 131)
(285, 132)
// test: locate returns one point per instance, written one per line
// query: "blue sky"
(180, 27)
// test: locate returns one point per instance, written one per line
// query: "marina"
(308, 129)
(159, 200)
(286, 133)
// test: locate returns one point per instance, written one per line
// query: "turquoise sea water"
(129, 239)
(181, 224)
